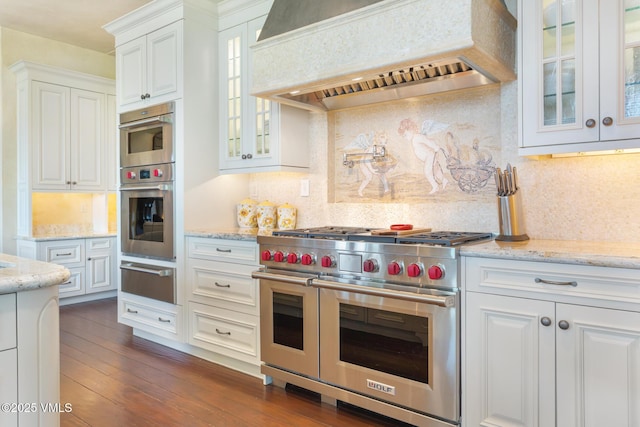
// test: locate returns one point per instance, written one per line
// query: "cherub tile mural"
(433, 148)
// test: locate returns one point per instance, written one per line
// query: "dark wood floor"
(112, 378)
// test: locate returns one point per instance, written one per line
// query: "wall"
(580, 198)
(15, 46)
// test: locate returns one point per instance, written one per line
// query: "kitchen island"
(29, 342)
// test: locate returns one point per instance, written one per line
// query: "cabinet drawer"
(75, 285)
(217, 284)
(7, 321)
(100, 244)
(223, 331)
(68, 253)
(586, 284)
(236, 251)
(147, 317)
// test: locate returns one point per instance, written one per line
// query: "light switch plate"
(304, 188)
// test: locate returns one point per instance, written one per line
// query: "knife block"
(511, 219)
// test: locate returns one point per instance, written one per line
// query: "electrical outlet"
(304, 188)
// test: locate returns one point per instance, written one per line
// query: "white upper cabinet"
(68, 138)
(579, 75)
(149, 68)
(63, 126)
(256, 134)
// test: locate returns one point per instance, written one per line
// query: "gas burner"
(444, 238)
(330, 233)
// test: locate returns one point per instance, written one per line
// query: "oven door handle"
(441, 301)
(295, 280)
(161, 187)
(158, 119)
(162, 273)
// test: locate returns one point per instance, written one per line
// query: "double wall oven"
(369, 320)
(147, 209)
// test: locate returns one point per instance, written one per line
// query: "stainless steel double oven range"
(147, 208)
(370, 320)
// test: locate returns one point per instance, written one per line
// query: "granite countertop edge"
(22, 274)
(600, 254)
(577, 252)
(246, 234)
(50, 237)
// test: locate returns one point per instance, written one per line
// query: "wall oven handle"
(441, 301)
(295, 280)
(162, 273)
(137, 123)
(161, 187)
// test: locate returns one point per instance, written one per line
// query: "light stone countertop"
(48, 237)
(603, 254)
(22, 274)
(249, 234)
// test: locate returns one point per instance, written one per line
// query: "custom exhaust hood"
(334, 54)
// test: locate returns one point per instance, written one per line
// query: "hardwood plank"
(114, 378)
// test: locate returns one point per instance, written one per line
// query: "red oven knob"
(266, 255)
(307, 259)
(293, 258)
(327, 261)
(414, 270)
(278, 256)
(370, 266)
(157, 172)
(131, 175)
(435, 272)
(394, 268)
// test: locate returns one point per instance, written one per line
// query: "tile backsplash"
(578, 198)
(73, 213)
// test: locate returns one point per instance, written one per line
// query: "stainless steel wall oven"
(147, 205)
(146, 136)
(147, 211)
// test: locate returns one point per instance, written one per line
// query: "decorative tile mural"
(427, 150)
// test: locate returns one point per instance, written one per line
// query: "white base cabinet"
(156, 317)
(223, 307)
(30, 358)
(551, 345)
(91, 261)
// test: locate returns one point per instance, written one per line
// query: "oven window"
(287, 320)
(143, 140)
(391, 342)
(146, 221)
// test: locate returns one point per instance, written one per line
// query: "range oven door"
(147, 227)
(146, 136)
(288, 322)
(395, 346)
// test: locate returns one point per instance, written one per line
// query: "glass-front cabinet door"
(578, 75)
(620, 69)
(245, 120)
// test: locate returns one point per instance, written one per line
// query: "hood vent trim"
(381, 53)
(402, 83)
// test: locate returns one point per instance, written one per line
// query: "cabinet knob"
(590, 123)
(244, 157)
(143, 97)
(249, 156)
(545, 321)
(607, 121)
(563, 324)
(148, 96)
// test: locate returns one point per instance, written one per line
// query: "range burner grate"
(444, 238)
(335, 233)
